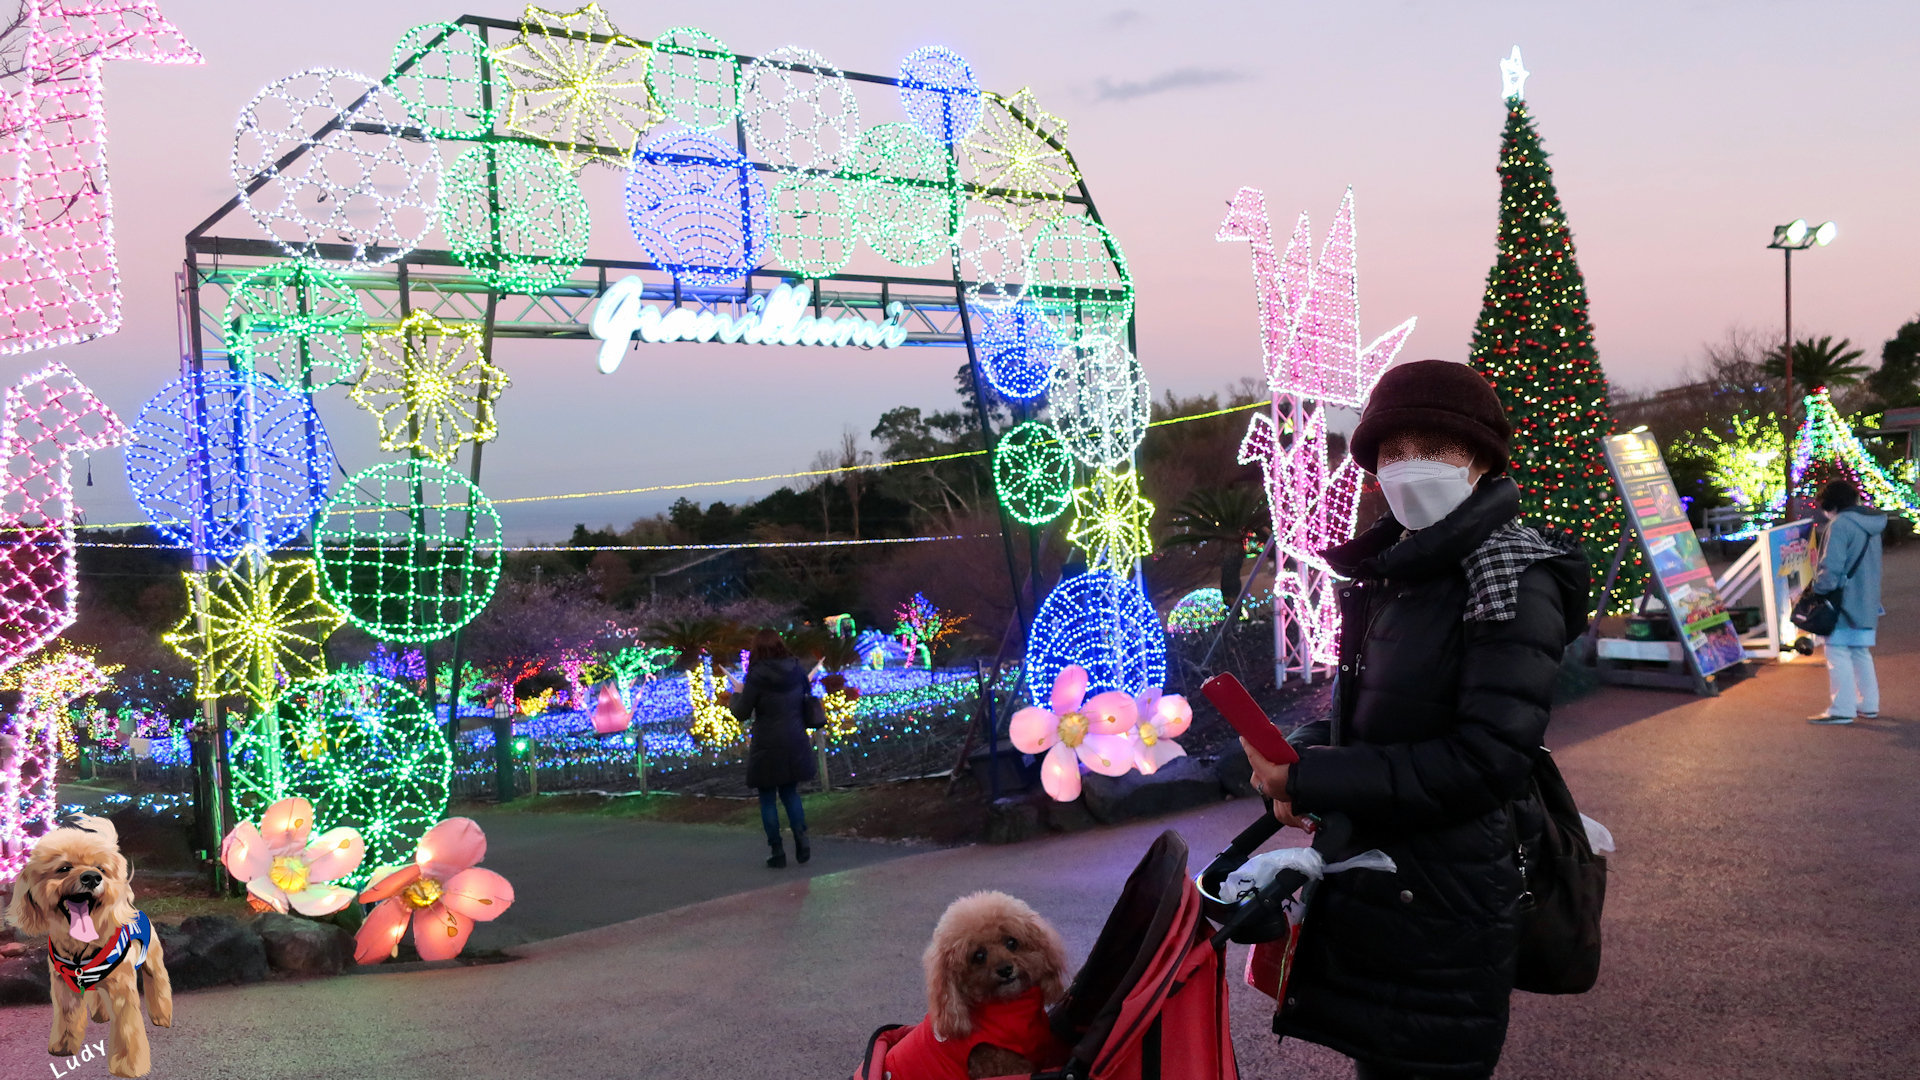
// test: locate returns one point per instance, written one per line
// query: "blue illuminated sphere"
(1103, 623)
(940, 94)
(698, 208)
(1018, 348)
(268, 463)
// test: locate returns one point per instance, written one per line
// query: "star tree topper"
(1513, 77)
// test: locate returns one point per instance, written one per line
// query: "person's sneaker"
(1869, 716)
(1824, 718)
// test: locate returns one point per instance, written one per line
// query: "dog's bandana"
(83, 975)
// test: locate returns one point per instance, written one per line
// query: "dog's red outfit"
(1018, 1024)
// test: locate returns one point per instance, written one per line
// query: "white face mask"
(1421, 492)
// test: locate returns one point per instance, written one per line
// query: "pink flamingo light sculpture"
(1310, 335)
(59, 283)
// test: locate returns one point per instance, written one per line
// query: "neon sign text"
(778, 318)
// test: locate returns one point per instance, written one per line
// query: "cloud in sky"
(1123, 18)
(1186, 78)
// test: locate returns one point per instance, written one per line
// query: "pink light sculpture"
(1310, 335)
(46, 416)
(59, 283)
(27, 790)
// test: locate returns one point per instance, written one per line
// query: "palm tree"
(1820, 363)
(1226, 517)
(692, 635)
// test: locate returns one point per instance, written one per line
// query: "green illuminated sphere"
(441, 85)
(409, 550)
(907, 208)
(513, 217)
(813, 223)
(1078, 275)
(362, 749)
(295, 323)
(694, 77)
(1033, 473)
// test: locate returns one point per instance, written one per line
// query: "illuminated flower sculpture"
(264, 624)
(285, 868)
(443, 893)
(1310, 334)
(584, 85)
(1163, 718)
(1073, 730)
(1110, 521)
(1019, 149)
(430, 386)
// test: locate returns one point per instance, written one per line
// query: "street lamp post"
(1787, 239)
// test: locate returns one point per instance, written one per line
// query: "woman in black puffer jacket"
(779, 754)
(1453, 625)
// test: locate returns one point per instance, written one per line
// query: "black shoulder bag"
(1819, 613)
(813, 711)
(1566, 886)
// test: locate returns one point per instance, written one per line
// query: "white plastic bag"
(1598, 837)
(1257, 872)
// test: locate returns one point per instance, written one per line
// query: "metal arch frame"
(934, 310)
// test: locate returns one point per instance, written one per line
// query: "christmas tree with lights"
(1534, 343)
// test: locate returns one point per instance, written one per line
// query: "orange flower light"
(443, 893)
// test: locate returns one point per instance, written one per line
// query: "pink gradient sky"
(1680, 133)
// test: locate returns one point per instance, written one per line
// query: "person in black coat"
(1454, 619)
(779, 753)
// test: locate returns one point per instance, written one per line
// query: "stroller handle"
(1262, 915)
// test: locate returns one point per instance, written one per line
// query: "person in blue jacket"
(1850, 563)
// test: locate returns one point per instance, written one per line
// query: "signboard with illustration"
(1790, 566)
(1673, 550)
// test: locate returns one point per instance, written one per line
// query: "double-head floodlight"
(1799, 236)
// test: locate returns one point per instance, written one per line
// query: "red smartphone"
(1248, 718)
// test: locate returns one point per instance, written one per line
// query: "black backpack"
(1566, 886)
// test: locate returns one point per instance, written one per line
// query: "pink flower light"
(1163, 718)
(283, 868)
(1076, 731)
(443, 893)
(58, 274)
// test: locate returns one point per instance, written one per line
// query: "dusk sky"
(1680, 133)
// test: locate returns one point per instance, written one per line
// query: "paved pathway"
(1760, 924)
(574, 872)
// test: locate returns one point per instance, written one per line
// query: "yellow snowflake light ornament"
(588, 96)
(1019, 153)
(265, 620)
(1110, 521)
(429, 386)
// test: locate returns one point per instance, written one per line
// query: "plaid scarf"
(1494, 569)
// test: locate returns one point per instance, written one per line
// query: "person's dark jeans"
(770, 815)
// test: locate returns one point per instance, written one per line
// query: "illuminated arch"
(771, 200)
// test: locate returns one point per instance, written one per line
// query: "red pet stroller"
(1151, 1000)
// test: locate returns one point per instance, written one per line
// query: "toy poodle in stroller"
(1150, 1001)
